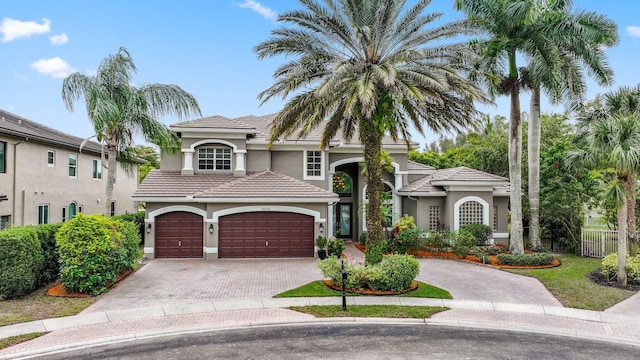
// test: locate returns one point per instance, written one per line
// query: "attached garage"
(179, 235)
(266, 235)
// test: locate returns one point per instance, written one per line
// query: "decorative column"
(187, 162)
(240, 170)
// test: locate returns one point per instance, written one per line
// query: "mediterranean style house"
(228, 194)
(45, 178)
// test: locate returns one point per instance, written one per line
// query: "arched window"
(471, 212)
(73, 210)
(342, 184)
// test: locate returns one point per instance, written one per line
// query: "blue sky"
(204, 46)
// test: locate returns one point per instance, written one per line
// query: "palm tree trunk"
(111, 177)
(516, 245)
(632, 232)
(534, 169)
(622, 245)
(371, 137)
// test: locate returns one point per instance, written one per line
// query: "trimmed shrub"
(460, 242)
(335, 247)
(136, 218)
(363, 238)
(535, 259)
(405, 240)
(405, 222)
(436, 239)
(488, 250)
(480, 232)
(375, 252)
(398, 271)
(47, 237)
(610, 267)
(93, 250)
(20, 262)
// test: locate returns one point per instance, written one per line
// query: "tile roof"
(434, 182)
(263, 184)
(215, 121)
(14, 125)
(412, 165)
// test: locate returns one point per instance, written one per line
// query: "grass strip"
(320, 289)
(385, 311)
(13, 340)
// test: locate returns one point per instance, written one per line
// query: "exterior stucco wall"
(454, 196)
(258, 160)
(501, 234)
(171, 161)
(422, 209)
(37, 183)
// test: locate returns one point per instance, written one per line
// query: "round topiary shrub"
(398, 271)
(20, 262)
(93, 250)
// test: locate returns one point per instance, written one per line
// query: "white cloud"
(264, 11)
(633, 31)
(15, 29)
(59, 39)
(54, 67)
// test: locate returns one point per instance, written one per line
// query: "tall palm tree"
(120, 111)
(612, 142)
(577, 40)
(374, 67)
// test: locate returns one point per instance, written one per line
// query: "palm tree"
(120, 111)
(535, 30)
(612, 142)
(371, 68)
(577, 41)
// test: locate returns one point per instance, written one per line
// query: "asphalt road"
(357, 341)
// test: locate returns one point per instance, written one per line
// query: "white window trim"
(305, 176)
(54, 158)
(98, 169)
(456, 210)
(197, 164)
(69, 165)
(41, 206)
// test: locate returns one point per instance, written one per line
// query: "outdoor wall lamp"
(321, 228)
(148, 228)
(210, 228)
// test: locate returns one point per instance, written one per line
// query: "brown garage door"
(178, 235)
(265, 235)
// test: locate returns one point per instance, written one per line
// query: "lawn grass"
(570, 285)
(38, 306)
(386, 311)
(13, 340)
(320, 289)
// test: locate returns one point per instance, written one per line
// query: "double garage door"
(244, 235)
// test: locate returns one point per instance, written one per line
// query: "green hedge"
(47, 237)
(610, 267)
(137, 218)
(20, 262)
(536, 259)
(93, 250)
(480, 232)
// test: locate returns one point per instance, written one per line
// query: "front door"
(343, 221)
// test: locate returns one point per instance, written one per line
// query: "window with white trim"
(434, 216)
(51, 158)
(97, 169)
(73, 165)
(214, 159)
(471, 212)
(43, 214)
(313, 165)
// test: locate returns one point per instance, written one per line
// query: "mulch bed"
(421, 254)
(414, 285)
(597, 277)
(58, 290)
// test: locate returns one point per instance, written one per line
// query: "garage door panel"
(266, 234)
(179, 235)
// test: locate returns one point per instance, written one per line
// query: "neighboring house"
(44, 178)
(227, 194)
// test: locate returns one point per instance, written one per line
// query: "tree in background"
(151, 158)
(120, 111)
(372, 67)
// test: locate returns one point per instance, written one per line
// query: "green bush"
(21, 262)
(93, 250)
(487, 249)
(405, 222)
(436, 239)
(482, 233)
(405, 240)
(136, 218)
(610, 267)
(535, 259)
(335, 247)
(460, 242)
(363, 238)
(47, 237)
(375, 252)
(394, 273)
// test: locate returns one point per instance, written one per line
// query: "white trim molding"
(173, 208)
(305, 175)
(456, 210)
(500, 235)
(215, 217)
(210, 250)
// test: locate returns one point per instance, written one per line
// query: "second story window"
(51, 158)
(73, 165)
(3, 157)
(214, 159)
(43, 214)
(313, 165)
(97, 169)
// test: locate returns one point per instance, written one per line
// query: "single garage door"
(178, 235)
(265, 235)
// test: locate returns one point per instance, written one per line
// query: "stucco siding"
(258, 160)
(171, 161)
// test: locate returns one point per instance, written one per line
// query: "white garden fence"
(599, 243)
